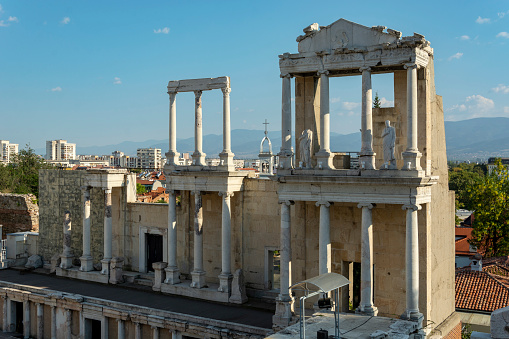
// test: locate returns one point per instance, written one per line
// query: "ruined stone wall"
(18, 213)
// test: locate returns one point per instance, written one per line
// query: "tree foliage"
(376, 102)
(489, 198)
(140, 189)
(462, 177)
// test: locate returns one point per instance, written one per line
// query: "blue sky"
(95, 72)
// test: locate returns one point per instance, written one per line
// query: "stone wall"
(18, 213)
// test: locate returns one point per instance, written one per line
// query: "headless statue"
(389, 143)
(305, 143)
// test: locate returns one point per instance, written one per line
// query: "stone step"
(129, 277)
(144, 281)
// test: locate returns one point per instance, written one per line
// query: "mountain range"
(466, 140)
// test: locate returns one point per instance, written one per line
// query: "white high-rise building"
(149, 158)
(60, 150)
(7, 150)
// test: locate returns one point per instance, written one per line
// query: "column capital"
(323, 202)
(198, 93)
(411, 65)
(287, 202)
(365, 68)
(226, 194)
(119, 320)
(285, 75)
(226, 91)
(172, 92)
(197, 193)
(365, 204)
(414, 207)
(323, 72)
(154, 327)
(107, 190)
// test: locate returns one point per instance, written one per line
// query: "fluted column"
(225, 278)
(367, 156)
(53, 322)
(68, 324)
(366, 304)
(175, 334)
(86, 258)
(226, 155)
(172, 156)
(324, 156)
(412, 156)
(67, 255)
(412, 263)
(40, 321)
(107, 232)
(324, 244)
(155, 332)
(198, 274)
(172, 271)
(120, 329)
(137, 331)
(26, 319)
(286, 153)
(198, 155)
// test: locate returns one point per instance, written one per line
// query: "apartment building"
(7, 150)
(149, 158)
(60, 150)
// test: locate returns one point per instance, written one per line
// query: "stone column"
(5, 320)
(412, 156)
(40, 321)
(226, 155)
(67, 255)
(172, 271)
(68, 324)
(286, 153)
(172, 156)
(175, 334)
(120, 329)
(367, 156)
(324, 244)
(107, 232)
(366, 303)
(26, 319)
(53, 322)
(412, 263)
(225, 278)
(198, 274)
(137, 331)
(155, 332)
(324, 156)
(198, 155)
(86, 259)
(284, 301)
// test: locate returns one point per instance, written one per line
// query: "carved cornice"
(414, 207)
(363, 204)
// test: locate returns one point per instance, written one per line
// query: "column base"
(367, 310)
(367, 159)
(172, 158)
(105, 266)
(226, 161)
(285, 159)
(391, 165)
(198, 279)
(87, 264)
(324, 160)
(66, 261)
(172, 275)
(412, 160)
(199, 159)
(283, 316)
(413, 316)
(225, 283)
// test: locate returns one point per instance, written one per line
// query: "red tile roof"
(480, 291)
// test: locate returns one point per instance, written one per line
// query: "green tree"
(461, 179)
(376, 102)
(489, 198)
(140, 189)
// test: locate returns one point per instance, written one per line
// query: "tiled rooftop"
(480, 291)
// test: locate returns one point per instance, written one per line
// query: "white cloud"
(117, 81)
(3, 23)
(502, 14)
(506, 109)
(334, 100)
(164, 30)
(480, 103)
(244, 121)
(501, 89)
(503, 35)
(351, 113)
(65, 20)
(350, 105)
(474, 106)
(455, 56)
(464, 37)
(13, 19)
(480, 20)
(386, 103)
(57, 89)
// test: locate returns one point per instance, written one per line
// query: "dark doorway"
(19, 317)
(356, 281)
(154, 250)
(92, 329)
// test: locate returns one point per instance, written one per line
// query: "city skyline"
(96, 73)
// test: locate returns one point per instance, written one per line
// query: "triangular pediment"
(343, 34)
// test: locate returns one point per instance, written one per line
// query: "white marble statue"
(305, 146)
(389, 142)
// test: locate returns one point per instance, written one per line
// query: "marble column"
(68, 324)
(225, 278)
(40, 321)
(412, 263)
(286, 153)
(367, 156)
(155, 332)
(67, 255)
(172, 156)
(53, 322)
(107, 232)
(120, 329)
(324, 156)
(5, 320)
(26, 319)
(175, 334)
(366, 304)
(412, 156)
(172, 271)
(324, 244)
(198, 274)
(137, 331)
(226, 155)
(198, 155)
(86, 258)
(284, 301)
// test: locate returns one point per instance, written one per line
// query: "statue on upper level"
(305, 146)
(389, 143)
